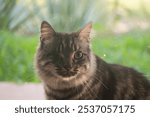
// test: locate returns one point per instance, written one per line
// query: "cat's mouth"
(66, 73)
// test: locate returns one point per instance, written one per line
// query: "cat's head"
(64, 54)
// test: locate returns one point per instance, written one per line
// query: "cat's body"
(69, 70)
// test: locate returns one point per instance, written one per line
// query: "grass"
(16, 57)
(17, 53)
(132, 49)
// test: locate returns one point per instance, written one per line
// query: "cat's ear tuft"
(47, 32)
(86, 31)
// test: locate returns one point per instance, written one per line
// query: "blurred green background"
(121, 32)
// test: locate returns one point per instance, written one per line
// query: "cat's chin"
(67, 77)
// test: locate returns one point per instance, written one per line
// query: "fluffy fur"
(69, 69)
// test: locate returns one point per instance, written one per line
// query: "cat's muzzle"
(66, 72)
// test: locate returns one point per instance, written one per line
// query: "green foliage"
(132, 49)
(69, 15)
(13, 14)
(16, 57)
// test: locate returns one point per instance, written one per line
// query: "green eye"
(78, 55)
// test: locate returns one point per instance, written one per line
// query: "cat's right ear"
(47, 32)
(85, 32)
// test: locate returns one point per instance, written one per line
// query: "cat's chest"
(63, 90)
(70, 89)
(65, 83)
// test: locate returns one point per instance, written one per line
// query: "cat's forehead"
(70, 41)
(66, 36)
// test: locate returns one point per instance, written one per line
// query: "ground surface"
(27, 91)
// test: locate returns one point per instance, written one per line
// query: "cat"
(69, 70)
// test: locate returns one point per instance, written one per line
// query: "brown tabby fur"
(69, 70)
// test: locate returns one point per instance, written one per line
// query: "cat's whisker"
(83, 83)
(101, 82)
(91, 92)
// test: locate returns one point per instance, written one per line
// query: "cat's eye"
(78, 55)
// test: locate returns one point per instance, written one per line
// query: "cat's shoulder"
(117, 69)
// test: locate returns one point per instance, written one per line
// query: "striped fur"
(69, 70)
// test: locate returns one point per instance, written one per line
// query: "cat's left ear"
(85, 32)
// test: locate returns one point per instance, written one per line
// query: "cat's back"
(131, 83)
(123, 82)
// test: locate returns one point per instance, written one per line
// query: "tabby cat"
(70, 70)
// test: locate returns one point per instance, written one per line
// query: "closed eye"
(47, 62)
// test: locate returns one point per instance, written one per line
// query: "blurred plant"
(16, 57)
(123, 10)
(12, 14)
(145, 11)
(69, 15)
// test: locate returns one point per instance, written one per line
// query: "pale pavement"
(27, 91)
